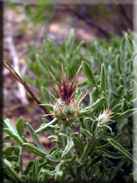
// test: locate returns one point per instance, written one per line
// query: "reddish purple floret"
(66, 91)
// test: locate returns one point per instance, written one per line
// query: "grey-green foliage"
(101, 149)
(49, 58)
(79, 156)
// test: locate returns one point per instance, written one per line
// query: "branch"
(7, 65)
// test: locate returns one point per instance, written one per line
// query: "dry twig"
(7, 65)
(15, 59)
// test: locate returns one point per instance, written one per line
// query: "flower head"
(67, 89)
(66, 107)
(105, 116)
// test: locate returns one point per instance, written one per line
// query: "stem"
(19, 79)
(89, 149)
(86, 151)
(65, 129)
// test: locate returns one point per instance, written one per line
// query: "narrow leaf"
(68, 147)
(11, 172)
(20, 124)
(117, 146)
(35, 138)
(103, 78)
(44, 127)
(10, 129)
(34, 149)
(89, 74)
(35, 169)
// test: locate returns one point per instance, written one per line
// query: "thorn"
(56, 88)
(61, 109)
(46, 105)
(52, 114)
(75, 111)
(70, 97)
(62, 73)
(80, 99)
(74, 78)
(55, 80)
(78, 83)
(53, 95)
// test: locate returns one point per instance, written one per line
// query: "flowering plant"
(90, 144)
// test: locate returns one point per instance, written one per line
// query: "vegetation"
(92, 120)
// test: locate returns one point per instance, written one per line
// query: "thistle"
(105, 116)
(66, 107)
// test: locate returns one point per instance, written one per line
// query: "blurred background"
(27, 25)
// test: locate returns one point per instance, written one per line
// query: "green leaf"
(54, 45)
(97, 105)
(10, 129)
(11, 172)
(24, 139)
(117, 146)
(44, 127)
(78, 144)
(87, 133)
(6, 139)
(15, 137)
(112, 155)
(118, 64)
(59, 172)
(125, 105)
(20, 160)
(103, 78)
(94, 127)
(8, 151)
(52, 158)
(121, 124)
(48, 172)
(20, 124)
(28, 168)
(35, 138)
(125, 114)
(69, 146)
(12, 158)
(94, 169)
(116, 169)
(117, 108)
(34, 149)
(89, 74)
(35, 170)
(43, 65)
(46, 95)
(77, 49)
(126, 44)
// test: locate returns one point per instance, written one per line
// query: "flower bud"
(105, 117)
(66, 107)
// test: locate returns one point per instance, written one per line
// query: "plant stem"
(86, 151)
(89, 149)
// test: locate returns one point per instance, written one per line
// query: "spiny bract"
(66, 107)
